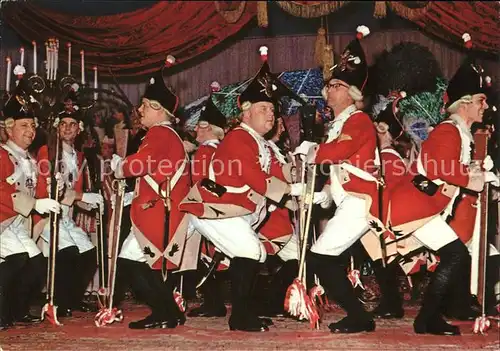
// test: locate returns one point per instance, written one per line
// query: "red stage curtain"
(448, 20)
(133, 43)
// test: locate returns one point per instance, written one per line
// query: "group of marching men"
(235, 197)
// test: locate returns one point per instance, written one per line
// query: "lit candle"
(21, 50)
(82, 54)
(56, 61)
(95, 82)
(47, 61)
(9, 69)
(34, 56)
(69, 58)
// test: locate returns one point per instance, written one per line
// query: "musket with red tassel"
(49, 310)
(107, 313)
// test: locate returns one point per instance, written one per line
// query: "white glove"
(93, 199)
(488, 163)
(476, 180)
(127, 199)
(304, 148)
(490, 177)
(296, 189)
(43, 206)
(115, 162)
(323, 199)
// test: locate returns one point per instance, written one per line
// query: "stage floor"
(80, 333)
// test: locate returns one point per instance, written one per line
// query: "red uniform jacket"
(14, 200)
(236, 164)
(356, 145)
(160, 156)
(409, 207)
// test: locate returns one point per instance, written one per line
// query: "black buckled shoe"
(28, 319)
(436, 326)
(153, 322)
(348, 326)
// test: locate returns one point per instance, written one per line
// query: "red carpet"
(79, 333)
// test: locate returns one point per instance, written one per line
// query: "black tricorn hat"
(211, 114)
(158, 91)
(352, 67)
(468, 79)
(21, 104)
(76, 114)
(265, 86)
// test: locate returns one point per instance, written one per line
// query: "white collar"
(252, 131)
(162, 123)
(19, 151)
(346, 113)
(211, 141)
(68, 148)
(462, 125)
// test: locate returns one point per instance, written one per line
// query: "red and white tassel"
(467, 40)
(355, 278)
(481, 325)
(263, 50)
(169, 61)
(179, 300)
(362, 32)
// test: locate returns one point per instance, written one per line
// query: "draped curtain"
(133, 43)
(447, 20)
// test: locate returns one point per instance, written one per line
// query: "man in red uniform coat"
(231, 202)
(22, 266)
(161, 169)
(442, 168)
(76, 256)
(209, 133)
(351, 150)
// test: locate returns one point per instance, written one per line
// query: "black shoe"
(205, 311)
(5, 323)
(348, 326)
(28, 318)
(152, 322)
(436, 326)
(248, 324)
(385, 312)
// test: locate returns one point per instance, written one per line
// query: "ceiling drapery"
(132, 43)
(447, 20)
